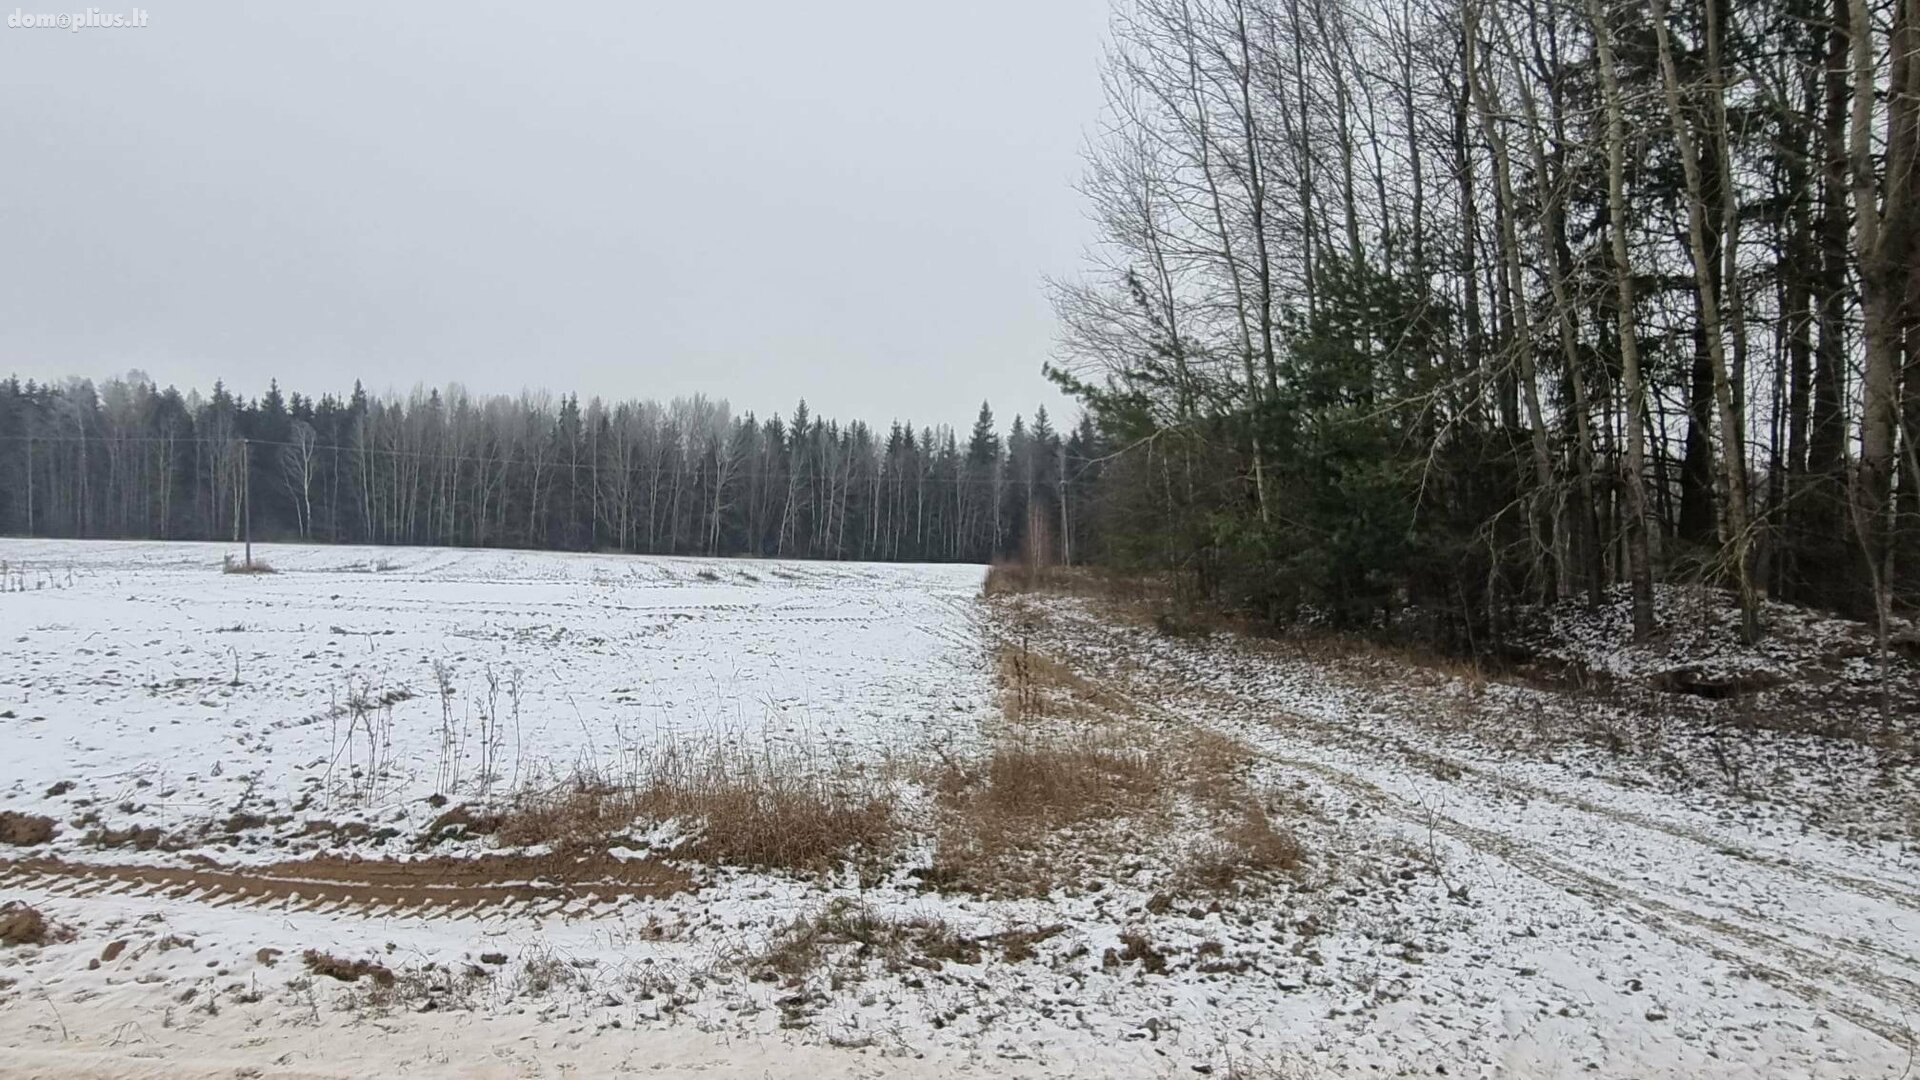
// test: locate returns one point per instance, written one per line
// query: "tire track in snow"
(1778, 961)
(1835, 979)
(1812, 875)
(1750, 862)
(1335, 735)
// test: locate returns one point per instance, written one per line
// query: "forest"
(125, 459)
(1425, 310)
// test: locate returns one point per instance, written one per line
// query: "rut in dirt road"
(435, 887)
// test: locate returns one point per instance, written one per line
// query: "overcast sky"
(851, 200)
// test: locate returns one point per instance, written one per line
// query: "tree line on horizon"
(127, 459)
(1426, 310)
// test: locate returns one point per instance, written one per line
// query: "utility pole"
(1066, 522)
(246, 496)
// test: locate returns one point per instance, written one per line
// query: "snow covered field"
(1481, 889)
(140, 672)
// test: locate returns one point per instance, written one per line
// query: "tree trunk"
(1639, 562)
(1737, 532)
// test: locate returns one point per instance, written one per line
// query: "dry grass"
(1019, 945)
(801, 947)
(1057, 781)
(1368, 660)
(1136, 948)
(1079, 782)
(1215, 764)
(1156, 602)
(770, 809)
(1242, 851)
(1244, 847)
(1004, 820)
(544, 972)
(1011, 578)
(582, 814)
(429, 988)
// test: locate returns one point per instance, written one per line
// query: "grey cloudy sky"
(851, 200)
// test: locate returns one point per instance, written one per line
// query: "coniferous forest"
(125, 459)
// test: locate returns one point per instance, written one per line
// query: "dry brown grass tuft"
(1011, 579)
(773, 809)
(802, 946)
(1136, 947)
(1003, 820)
(427, 988)
(1062, 780)
(1216, 764)
(543, 972)
(1161, 604)
(1384, 662)
(1079, 782)
(579, 815)
(462, 822)
(1019, 945)
(1032, 781)
(1244, 849)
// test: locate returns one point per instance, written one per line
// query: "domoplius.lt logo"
(76, 21)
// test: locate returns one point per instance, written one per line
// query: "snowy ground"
(1486, 893)
(145, 676)
(1621, 914)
